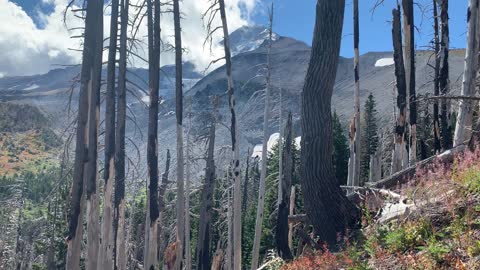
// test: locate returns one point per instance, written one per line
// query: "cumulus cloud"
(27, 49)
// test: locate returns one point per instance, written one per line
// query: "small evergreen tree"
(340, 151)
(370, 136)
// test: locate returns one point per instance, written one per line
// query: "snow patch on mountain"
(384, 62)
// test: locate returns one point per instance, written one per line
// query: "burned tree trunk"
(235, 165)
(179, 114)
(400, 148)
(436, 117)
(327, 208)
(463, 129)
(409, 34)
(245, 184)
(94, 17)
(282, 228)
(204, 227)
(152, 217)
(119, 197)
(263, 172)
(444, 77)
(105, 255)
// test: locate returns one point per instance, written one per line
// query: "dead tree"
(179, 114)
(245, 184)
(355, 139)
(152, 217)
(399, 151)
(409, 39)
(436, 116)
(444, 77)
(105, 255)
(263, 172)
(188, 249)
(463, 129)
(119, 197)
(203, 256)
(90, 78)
(282, 228)
(326, 206)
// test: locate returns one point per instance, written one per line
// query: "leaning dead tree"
(399, 151)
(90, 78)
(282, 231)
(119, 247)
(152, 216)
(105, 254)
(263, 172)
(354, 161)
(203, 256)
(409, 39)
(463, 129)
(180, 236)
(327, 208)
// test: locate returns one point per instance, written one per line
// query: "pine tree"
(370, 131)
(340, 150)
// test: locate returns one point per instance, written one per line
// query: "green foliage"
(435, 249)
(408, 236)
(340, 150)
(370, 138)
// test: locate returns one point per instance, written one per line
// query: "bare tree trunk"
(282, 228)
(105, 255)
(89, 80)
(355, 138)
(229, 251)
(291, 213)
(263, 172)
(409, 34)
(463, 129)
(152, 216)
(245, 184)
(280, 150)
(188, 248)
(436, 117)
(375, 173)
(327, 208)
(444, 77)
(400, 147)
(161, 206)
(119, 249)
(235, 166)
(180, 160)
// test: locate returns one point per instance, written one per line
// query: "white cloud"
(26, 49)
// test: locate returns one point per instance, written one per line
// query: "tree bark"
(235, 165)
(436, 117)
(203, 243)
(463, 129)
(263, 172)
(444, 77)
(400, 147)
(119, 197)
(245, 184)
(105, 255)
(291, 213)
(188, 248)
(327, 208)
(88, 81)
(179, 114)
(282, 228)
(152, 217)
(409, 39)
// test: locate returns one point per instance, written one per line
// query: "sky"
(34, 39)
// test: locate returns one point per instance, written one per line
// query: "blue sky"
(295, 18)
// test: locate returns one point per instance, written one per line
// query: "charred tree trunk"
(327, 208)
(444, 77)
(89, 80)
(105, 255)
(245, 184)
(235, 165)
(119, 197)
(152, 217)
(409, 34)
(263, 172)
(282, 228)
(180, 160)
(436, 117)
(291, 213)
(463, 129)
(400, 148)
(204, 227)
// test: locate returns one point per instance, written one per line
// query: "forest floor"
(437, 225)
